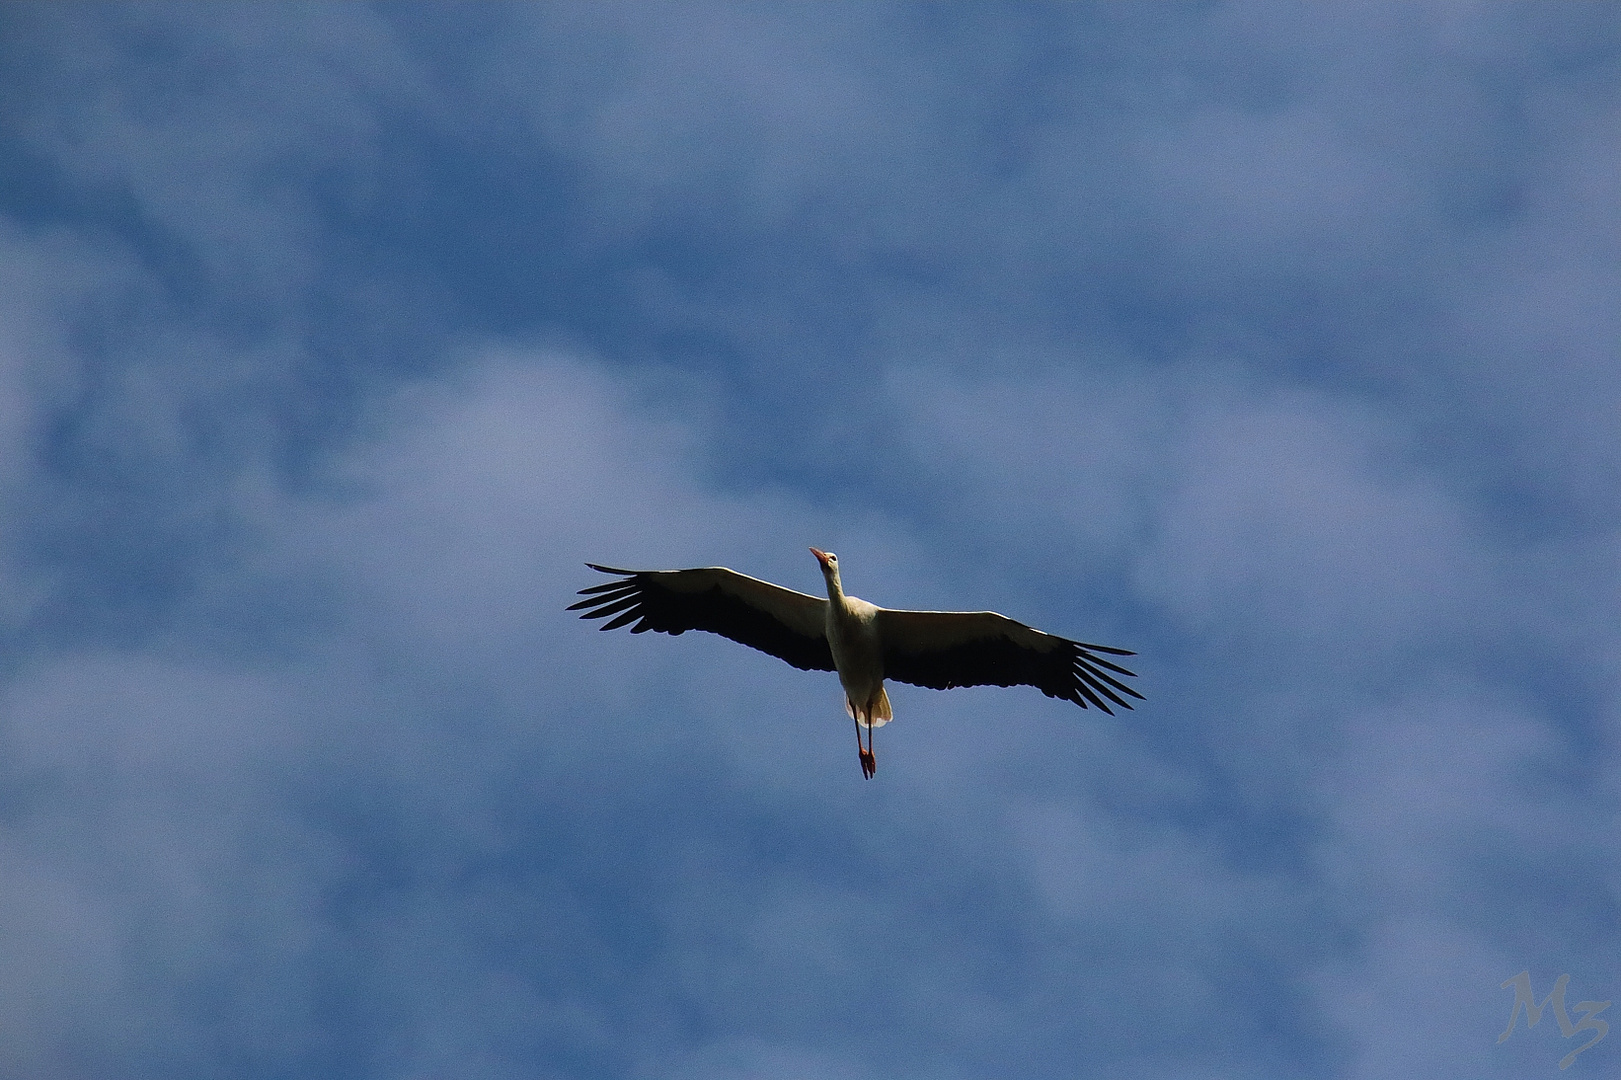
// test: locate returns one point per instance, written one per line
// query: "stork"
(864, 643)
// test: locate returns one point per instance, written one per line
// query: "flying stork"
(864, 643)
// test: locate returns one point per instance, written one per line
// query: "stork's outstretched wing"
(775, 620)
(942, 649)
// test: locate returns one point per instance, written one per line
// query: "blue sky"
(1277, 342)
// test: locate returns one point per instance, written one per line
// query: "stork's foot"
(869, 764)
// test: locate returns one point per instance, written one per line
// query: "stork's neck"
(835, 590)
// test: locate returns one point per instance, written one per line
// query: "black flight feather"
(1068, 672)
(673, 602)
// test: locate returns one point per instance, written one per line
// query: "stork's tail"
(876, 714)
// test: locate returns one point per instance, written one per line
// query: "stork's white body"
(858, 654)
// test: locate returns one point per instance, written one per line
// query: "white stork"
(864, 643)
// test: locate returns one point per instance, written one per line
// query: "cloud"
(217, 813)
(1438, 803)
(453, 743)
(1269, 342)
(209, 131)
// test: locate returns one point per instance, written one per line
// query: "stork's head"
(830, 563)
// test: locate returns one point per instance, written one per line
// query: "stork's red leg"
(869, 764)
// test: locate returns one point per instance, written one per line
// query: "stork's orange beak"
(821, 556)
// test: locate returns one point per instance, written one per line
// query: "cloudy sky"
(1278, 343)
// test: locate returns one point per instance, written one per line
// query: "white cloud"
(170, 782)
(217, 143)
(366, 748)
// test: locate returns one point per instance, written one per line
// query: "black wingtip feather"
(622, 619)
(611, 609)
(600, 601)
(1105, 648)
(603, 598)
(606, 586)
(1100, 662)
(1086, 678)
(1090, 696)
(1101, 681)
